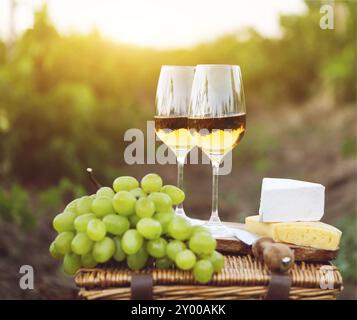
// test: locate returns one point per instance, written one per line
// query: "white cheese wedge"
(286, 200)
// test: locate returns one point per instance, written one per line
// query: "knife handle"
(277, 256)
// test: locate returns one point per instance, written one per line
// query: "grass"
(347, 258)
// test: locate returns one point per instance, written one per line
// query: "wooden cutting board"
(236, 246)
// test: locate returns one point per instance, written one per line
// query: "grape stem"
(92, 178)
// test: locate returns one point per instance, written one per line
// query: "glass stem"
(214, 219)
(180, 165)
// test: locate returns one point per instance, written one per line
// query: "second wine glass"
(217, 122)
(172, 102)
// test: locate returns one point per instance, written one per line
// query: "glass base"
(194, 222)
(219, 230)
(180, 212)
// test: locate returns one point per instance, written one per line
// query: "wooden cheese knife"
(277, 256)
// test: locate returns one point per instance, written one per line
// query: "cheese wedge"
(314, 234)
(287, 200)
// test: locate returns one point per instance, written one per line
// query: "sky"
(155, 23)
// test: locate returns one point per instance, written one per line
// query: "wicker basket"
(243, 277)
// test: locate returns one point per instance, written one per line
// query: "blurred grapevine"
(67, 99)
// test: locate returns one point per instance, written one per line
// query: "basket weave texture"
(243, 277)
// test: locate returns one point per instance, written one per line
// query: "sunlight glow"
(155, 23)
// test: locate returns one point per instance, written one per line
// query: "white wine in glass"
(174, 133)
(217, 122)
(171, 119)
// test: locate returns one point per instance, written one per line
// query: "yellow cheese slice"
(311, 234)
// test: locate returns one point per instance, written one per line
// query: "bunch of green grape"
(134, 223)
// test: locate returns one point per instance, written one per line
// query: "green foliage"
(349, 147)
(339, 68)
(2, 53)
(257, 148)
(340, 77)
(66, 100)
(18, 207)
(347, 258)
(15, 207)
(52, 199)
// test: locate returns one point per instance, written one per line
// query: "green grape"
(88, 261)
(84, 205)
(125, 183)
(54, 253)
(93, 196)
(134, 219)
(96, 230)
(164, 218)
(72, 205)
(144, 208)
(185, 260)
(157, 248)
(152, 182)
(198, 229)
(131, 241)
(149, 228)
(176, 194)
(102, 206)
(63, 242)
(203, 271)
(179, 228)
(64, 221)
(103, 250)
(105, 192)
(138, 260)
(124, 203)
(173, 248)
(162, 201)
(119, 254)
(202, 243)
(115, 224)
(163, 263)
(81, 222)
(71, 263)
(217, 260)
(138, 193)
(81, 244)
(72, 211)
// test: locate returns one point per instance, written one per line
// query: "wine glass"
(172, 102)
(217, 122)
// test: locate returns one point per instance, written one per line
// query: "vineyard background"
(66, 101)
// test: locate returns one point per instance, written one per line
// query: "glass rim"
(219, 65)
(177, 66)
